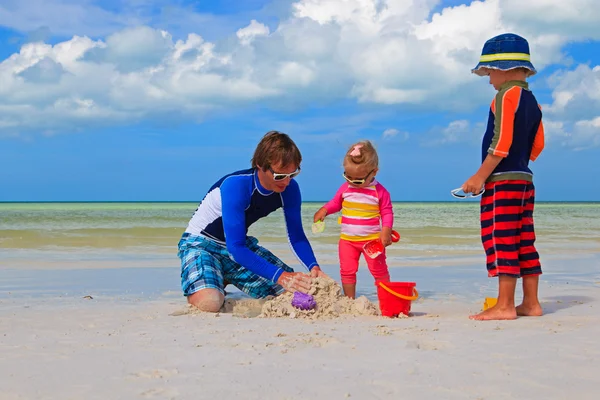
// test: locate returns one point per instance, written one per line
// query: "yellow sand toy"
(489, 302)
(318, 227)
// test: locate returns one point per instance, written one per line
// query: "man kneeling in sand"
(215, 249)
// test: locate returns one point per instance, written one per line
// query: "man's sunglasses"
(280, 177)
(357, 181)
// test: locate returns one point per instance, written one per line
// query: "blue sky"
(155, 100)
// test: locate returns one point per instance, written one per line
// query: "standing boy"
(514, 136)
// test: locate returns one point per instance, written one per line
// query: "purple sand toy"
(303, 301)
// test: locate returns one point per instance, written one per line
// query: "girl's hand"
(386, 236)
(320, 215)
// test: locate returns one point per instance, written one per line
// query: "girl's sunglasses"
(357, 181)
(280, 177)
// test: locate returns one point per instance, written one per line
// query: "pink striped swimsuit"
(364, 211)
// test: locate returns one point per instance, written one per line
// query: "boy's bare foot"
(495, 313)
(530, 310)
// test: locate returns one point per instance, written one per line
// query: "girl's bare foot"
(530, 310)
(495, 313)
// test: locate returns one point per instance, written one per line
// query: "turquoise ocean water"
(154, 228)
(40, 241)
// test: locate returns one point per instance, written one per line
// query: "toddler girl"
(367, 214)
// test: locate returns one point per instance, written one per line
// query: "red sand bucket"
(395, 297)
(374, 248)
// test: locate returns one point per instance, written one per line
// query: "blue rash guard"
(238, 200)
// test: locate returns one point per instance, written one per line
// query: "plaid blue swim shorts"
(207, 264)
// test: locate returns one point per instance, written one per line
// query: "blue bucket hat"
(505, 52)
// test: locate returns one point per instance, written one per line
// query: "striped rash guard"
(364, 211)
(514, 132)
(238, 200)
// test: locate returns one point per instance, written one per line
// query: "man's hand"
(295, 281)
(386, 236)
(316, 272)
(474, 184)
(320, 215)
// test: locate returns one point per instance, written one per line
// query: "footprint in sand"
(156, 373)
(426, 345)
(309, 340)
(178, 313)
(162, 393)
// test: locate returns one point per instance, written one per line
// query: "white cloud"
(45, 70)
(575, 19)
(555, 131)
(393, 133)
(132, 49)
(389, 52)
(586, 133)
(573, 117)
(578, 135)
(456, 131)
(246, 35)
(575, 92)
(459, 131)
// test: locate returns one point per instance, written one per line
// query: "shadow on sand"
(553, 304)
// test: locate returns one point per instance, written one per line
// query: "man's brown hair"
(276, 147)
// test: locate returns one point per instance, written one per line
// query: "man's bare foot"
(495, 313)
(530, 310)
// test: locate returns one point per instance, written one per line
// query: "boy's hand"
(386, 236)
(474, 184)
(320, 215)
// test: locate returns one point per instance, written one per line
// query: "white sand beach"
(140, 346)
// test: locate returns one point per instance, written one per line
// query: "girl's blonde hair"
(362, 153)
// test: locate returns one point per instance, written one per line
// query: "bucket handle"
(410, 298)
